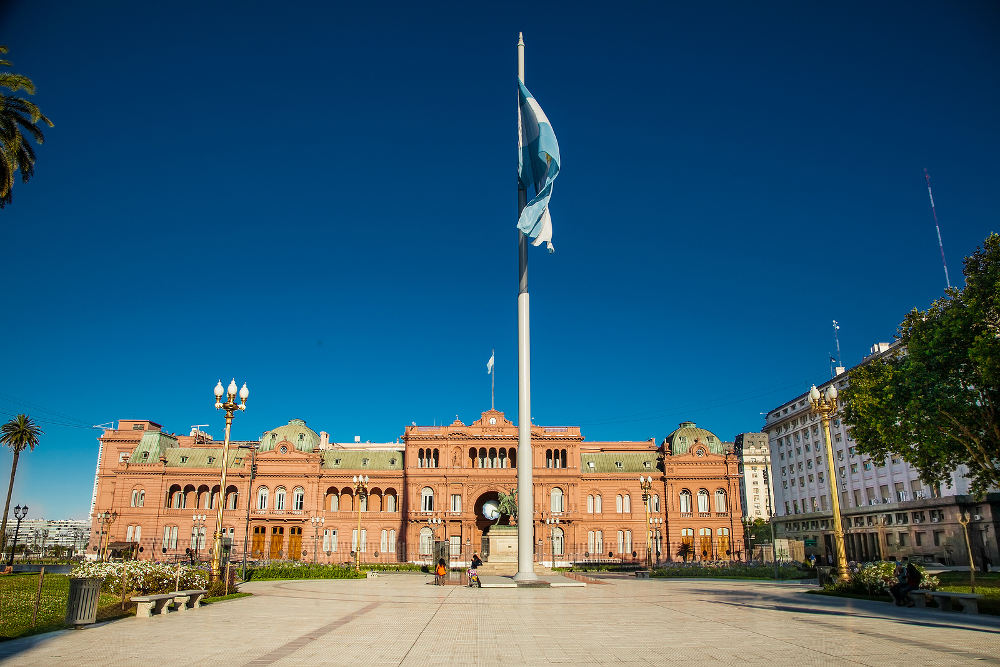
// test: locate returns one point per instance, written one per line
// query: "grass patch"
(732, 571)
(17, 602)
(231, 596)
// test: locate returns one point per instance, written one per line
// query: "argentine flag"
(537, 165)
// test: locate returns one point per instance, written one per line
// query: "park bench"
(147, 605)
(968, 601)
(642, 574)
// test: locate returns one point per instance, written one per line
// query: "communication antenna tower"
(937, 227)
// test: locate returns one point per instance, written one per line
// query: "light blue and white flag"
(537, 165)
(489, 364)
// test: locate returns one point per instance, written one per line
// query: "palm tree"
(18, 117)
(19, 433)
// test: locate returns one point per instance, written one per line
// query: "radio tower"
(937, 227)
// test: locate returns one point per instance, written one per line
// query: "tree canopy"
(934, 399)
(19, 120)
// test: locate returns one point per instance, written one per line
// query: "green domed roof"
(687, 433)
(296, 432)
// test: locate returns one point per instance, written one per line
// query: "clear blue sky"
(320, 201)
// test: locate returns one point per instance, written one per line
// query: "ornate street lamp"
(825, 405)
(230, 406)
(316, 521)
(360, 492)
(199, 525)
(963, 519)
(19, 514)
(106, 518)
(253, 474)
(646, 483)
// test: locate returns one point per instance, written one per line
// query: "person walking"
(440, 572)
(474, 571)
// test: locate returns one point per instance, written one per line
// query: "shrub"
(728, 569)
(291, 569)
(876, 578)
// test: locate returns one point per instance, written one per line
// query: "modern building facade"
(300, 501)
(886, 509)
(40, 535)
(754, 457)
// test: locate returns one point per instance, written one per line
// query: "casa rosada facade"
(300, 502)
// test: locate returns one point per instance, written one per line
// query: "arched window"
(558, 542)
(392, 541)
(624, 541)
(686, 501)
(298, 498)
(598, 509)
(437, 459)
(233, 499)
(427, 500)
(504, 462)
(262, 498)
(619, 503)
(563, 459)
(213, 502)
(135, 499)
(548, 458)
(390, 501)
(494, 458)
(656, 502)
(590, 505)
(279, 498)
(334, 502)
(628, 503)
(138, 534)
(703, 500)
(426, 541)
(383, 543)
(720, 500)
(557, 500)
(482, 457)
(420, 457)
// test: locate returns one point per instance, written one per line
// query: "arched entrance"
(483, 524)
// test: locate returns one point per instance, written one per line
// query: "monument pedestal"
(502, 560)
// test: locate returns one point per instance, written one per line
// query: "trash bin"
(81, 608)
(824, 575)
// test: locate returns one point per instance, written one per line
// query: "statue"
(508, 504)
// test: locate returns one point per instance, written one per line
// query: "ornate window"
(703, 500)
(558, 542)
(279, 498)
(557, 500)
(627, 502)
(590, 506)
(655, 502)
(335, 502)
(720, 500)
(597, 505)
(392, 541)
(390, 502)
(619, 503)
(427, 500)
(298, 498)
(686, 501)
(262, 498)
(426, 541)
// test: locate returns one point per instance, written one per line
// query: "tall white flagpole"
(525, 460)
(493, 380)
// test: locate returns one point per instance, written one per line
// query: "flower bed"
(143, 577)
(875, 579)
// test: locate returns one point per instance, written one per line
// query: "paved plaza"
(400, 620)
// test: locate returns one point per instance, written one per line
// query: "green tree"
(19, 121)
(19, 433)
(935, 401)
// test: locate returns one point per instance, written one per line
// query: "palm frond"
(16, 82)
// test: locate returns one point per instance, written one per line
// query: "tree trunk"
(6, 507)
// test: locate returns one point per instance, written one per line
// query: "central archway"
(483, 524)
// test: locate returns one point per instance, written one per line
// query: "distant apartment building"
(754, 457)
(886, 509)
(41, 534)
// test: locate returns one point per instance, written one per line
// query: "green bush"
(874, 579)
(729, 570)
(299, 570)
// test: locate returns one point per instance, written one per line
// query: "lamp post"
(646, 484)
(107, 518)
(198, 526)
(552, 522)
(19, 514)
(729, 491)
(360, 492)
(317, 521)
(825, 405)
(230, 406)
(253, 474)
(433, 523)
(654, 522)
(963, 519)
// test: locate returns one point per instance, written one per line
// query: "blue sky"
(320, 202)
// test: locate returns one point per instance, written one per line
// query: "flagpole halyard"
(525, 495)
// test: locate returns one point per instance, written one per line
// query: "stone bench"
(968, 601)
(642, 574)
(147, 605)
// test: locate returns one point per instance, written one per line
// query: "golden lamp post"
(646, 484)
(360, 492)
(963, 519)
(106, 518)
(825, 405)
(230, 406)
